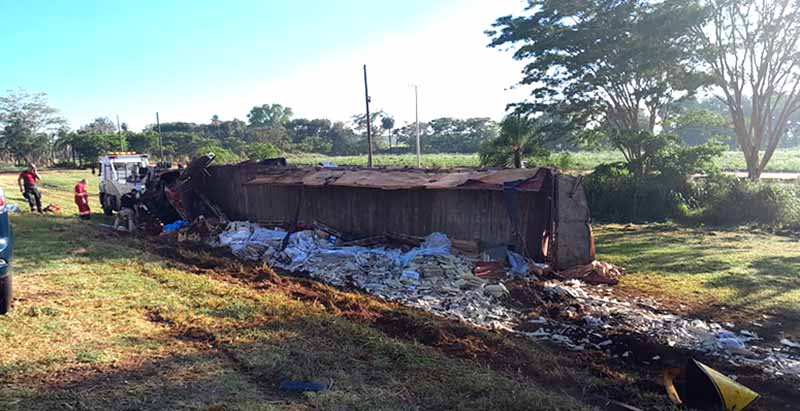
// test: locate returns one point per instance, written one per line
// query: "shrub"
(66, 165)
(222, 155)
(728, 201)
(261, 151)
(616, 194)
(653, 185)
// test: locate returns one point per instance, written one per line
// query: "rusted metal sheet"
(404, 179)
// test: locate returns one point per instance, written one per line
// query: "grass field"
(105, 321)
(783, 160)
(746, 271)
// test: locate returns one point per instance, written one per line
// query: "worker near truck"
(127, 211)
(27, 181)
(82, 200)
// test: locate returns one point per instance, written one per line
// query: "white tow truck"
(120, 173)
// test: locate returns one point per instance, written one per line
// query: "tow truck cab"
(121, 172)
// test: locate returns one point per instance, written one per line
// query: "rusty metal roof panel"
(403, 179)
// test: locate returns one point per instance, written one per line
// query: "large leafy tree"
(699, 126)
(619, 64)
(100, 125)
(91, 146)
(752, 48)
(452, 135)
(28, 125)
(344, 141)
(269, 115)
(310, 135)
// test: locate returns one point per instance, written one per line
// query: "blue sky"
(192, 59)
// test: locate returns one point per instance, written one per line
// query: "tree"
(344, 141)
(277, 136)
(145, 142)
(753, 50)
(91, 146)
(100, 125)
(387, 124)
(261, 151)
(229, 129)
(604, 62)
(452, 135)
(519, 139)
(269, 116)
(376, 123)
(28, 125)
(310, 135)
(698, 126)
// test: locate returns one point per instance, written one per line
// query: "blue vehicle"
(6, 246)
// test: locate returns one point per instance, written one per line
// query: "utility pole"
(160, 147)
(119, 135)
(416, 117)
(369, 120)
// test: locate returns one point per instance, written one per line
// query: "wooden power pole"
(416, 120)
(119, 135)
(160, 147)
(369, 120)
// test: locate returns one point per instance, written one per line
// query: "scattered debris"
(430, 277)
(175, 226)
(52, 208)
(596, 272)
(292, 386)
(602, 314)
(791, 344)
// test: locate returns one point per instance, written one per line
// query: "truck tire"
(107, 210)
(5, 294)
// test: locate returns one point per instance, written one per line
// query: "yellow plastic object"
(734, 396)
(669, 382)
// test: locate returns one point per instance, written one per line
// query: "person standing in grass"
(82, 200)
(27, 181)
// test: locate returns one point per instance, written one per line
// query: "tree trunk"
(517, 159)
(753, 167)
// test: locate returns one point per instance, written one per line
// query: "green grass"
(748, 271)
(390, 160)
(783, 160)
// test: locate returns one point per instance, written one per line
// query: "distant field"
(783, 160)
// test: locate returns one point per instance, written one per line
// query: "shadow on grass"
(42, 241)
(240, 368)
(774, 279)
(198, 381)
(649, 250)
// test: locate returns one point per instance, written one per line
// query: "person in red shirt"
(82, 200)
(27, 181)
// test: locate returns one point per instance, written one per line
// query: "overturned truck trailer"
(541, 212)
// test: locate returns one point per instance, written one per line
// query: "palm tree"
(517, 140)
(387, 124)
